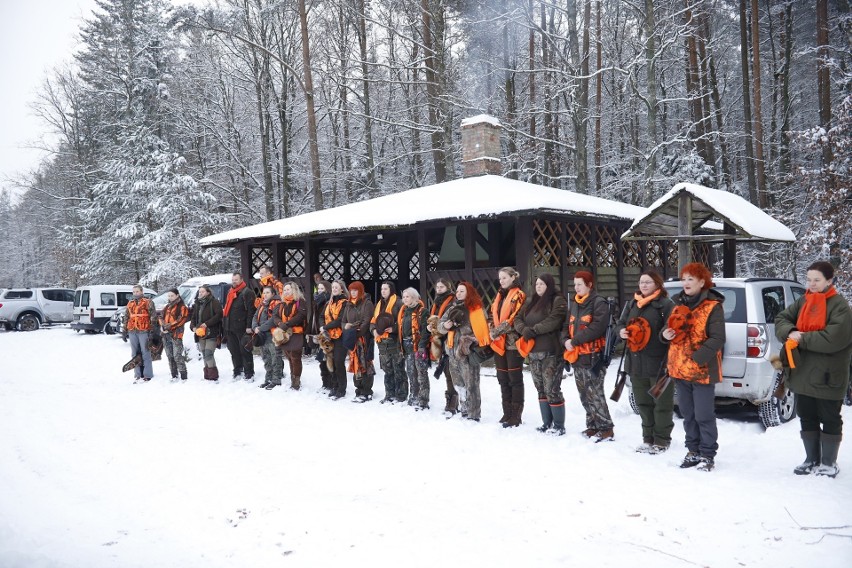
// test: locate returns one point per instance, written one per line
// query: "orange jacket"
(503, 310)
(292, 311)
(141, 314)
(696, 355)
(332, 313)
(175, 316)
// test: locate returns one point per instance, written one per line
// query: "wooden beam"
(523, 248)
(729, 255)
(684, 229)
(468, 230)
(423, 257)
(245, 261)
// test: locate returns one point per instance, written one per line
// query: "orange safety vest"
(332, 312)
(270, 310)
(415, 323)
(510, 307)
(269, 280)
(139, 314)
(388, 309)
(292, 307)
(584, 348)
(176, 315)
(443, 307)
(680, 362)
(479, 326)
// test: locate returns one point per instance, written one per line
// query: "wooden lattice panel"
(654, 254)
(632, 252)
(361, 264)
(294, 263)
(331, 264)
(434, 257)
(414, 266)
(260, 256)
(579, 239)
(605, 246)
(671, 255)
(487, 284)
(547, 236)
(388, 265)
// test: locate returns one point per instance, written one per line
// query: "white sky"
(36, 36)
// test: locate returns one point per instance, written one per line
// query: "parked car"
(27, 309)
(748, 377)
(219, 283)
(95, 305)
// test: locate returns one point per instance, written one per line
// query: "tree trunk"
(785, 160)
(432, 95)
(651, 79)
(823, 76)
(747, 118)
(316, 174)
(598, 95)
(372, 187)
(762, 200)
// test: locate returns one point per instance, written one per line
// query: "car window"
(773, 302)
(19, 294)
(107, 299)
(124, 298)
(52, 295)
(84, 301)
(77, 299)
(67, 295)
(187, 293)
(797, 292)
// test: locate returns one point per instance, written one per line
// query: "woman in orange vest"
(466, 328)
(640, 325)
(335, 311)
(588, 317)
(174, 318)
(356, 329)
(141, 325)
(509, 363)
(443, 298)
(696, 332)
(539, 324)
(293, 315)
(411, 323)
(386, 336)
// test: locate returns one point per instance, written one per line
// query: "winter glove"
(528, 333)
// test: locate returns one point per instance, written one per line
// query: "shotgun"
(620, 380)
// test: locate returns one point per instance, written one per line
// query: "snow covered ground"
(98, 472)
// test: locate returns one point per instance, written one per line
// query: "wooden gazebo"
(462, 229)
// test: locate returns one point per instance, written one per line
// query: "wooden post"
(277, 254)
(729, 254)
(311, 266)
(423, 257)
(469, 250)
(245, 261)
(684, 230)
(523, 249)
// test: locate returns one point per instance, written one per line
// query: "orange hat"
(677, 320)
(638, 334)
(525, 346)
(200, 331)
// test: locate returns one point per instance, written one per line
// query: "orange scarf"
(813, 313)
(580, 299)
(232, 295)
(479, 326)
(643, 301)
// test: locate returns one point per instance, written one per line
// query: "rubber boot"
(558, 411)
(183, 375)
(206, 374)
(546, 415)
(830, 447)
(507, 411)
(515, 411)
(812, 453)
(213, 374)
(173, 368)
(447, 398)
(295, 382)
(453, 403)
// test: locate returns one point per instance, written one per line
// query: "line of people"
(679, 338)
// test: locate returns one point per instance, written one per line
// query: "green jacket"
(647, 362)
(822, 370)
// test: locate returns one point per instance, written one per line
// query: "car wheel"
(28, 322)
(108, 329)
(777, 411)
(633, 404)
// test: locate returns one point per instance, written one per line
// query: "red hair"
(472, 300)
(699, 271)
(359, 287)
(588, 277)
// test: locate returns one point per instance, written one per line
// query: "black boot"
(173, 369)
(830, 445)
(558, 411)
(812, 453)
(183, 375)
(507, 410)
(546, 415)
(515, 411)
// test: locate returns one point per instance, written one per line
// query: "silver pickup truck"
(27, 309)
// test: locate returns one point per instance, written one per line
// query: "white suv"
(748, 377)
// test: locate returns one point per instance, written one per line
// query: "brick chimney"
(480, 140)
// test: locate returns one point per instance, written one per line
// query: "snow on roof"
(750, 221)
(467, 198)
(480, 118)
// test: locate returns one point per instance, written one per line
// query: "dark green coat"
(822, 370)
(647, 362)
(546, 325)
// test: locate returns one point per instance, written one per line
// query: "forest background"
(173, 123)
